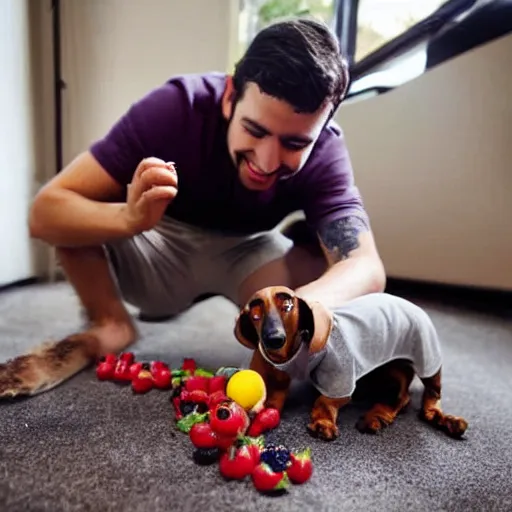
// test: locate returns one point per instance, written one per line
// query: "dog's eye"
(287, 305)
(256, 312)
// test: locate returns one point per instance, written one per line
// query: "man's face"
(267, 139)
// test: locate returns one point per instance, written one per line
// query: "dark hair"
(298, 61)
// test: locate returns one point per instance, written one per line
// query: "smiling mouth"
(255, 174)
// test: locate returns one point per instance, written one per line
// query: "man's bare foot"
(114, 336)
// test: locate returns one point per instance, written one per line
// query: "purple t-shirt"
(181, 121)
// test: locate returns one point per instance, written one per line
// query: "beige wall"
(26, 138)
(433, 159)
(115, 51)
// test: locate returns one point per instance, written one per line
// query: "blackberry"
(276, 456)
(187, 407)
(206, 456)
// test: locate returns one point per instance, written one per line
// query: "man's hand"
(153, 187)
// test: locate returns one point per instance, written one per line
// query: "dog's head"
(279, 320)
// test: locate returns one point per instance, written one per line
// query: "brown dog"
(292, 338)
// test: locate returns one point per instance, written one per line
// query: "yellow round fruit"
(246, 388)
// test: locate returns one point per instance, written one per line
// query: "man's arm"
(354, 265)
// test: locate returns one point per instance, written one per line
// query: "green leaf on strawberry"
(202, 372)
(188, 421)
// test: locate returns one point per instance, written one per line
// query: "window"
(255, 14)
(380, 21)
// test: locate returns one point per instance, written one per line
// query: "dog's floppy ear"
(313, 334)
(245, 332)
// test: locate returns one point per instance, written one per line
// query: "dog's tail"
(47, 365)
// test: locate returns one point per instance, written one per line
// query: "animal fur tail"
(47, 365)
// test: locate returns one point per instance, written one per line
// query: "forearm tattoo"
(340, 237)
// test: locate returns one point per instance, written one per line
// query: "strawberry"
(229, 419)
(267, 419)
(143, 382)
(236, 464)
(217, 383)
(255, 445)
(202, 436)
(301, 467)
(162, 378)
(105, 370)
(194, 383)
(189, 365)
(216, 398)
(266, 480)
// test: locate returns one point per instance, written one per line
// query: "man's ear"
(245, 332)
(314, 335)
(228, 98)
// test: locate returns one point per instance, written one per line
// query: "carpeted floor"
(90, 445)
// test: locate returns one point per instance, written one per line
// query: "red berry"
(197, 396)
(157, 365)
(225, 442)
(110, 358)
(301, 467)
(189, 364)
(202, 436)
(217, 383)
(176, 401)
(143, 382)
(197, 382)
(229, 419)
(127, 357)
(236, 464)
(104, 371)
(255, 445)
(266, 480)
(216, 398)
(122, 371)
(135, 369)
(267, 419)
(162, 378)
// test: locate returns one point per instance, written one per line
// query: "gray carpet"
(90, 445)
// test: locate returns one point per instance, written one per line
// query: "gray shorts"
(162, 271)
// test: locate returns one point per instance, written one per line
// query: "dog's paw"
(324, 429)
(370, 424)
(453, 426)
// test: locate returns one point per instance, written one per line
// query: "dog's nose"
(274, 341)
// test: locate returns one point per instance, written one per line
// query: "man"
(182, 196)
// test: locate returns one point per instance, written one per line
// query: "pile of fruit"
(223, 414)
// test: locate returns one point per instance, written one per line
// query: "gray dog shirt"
(367, 332)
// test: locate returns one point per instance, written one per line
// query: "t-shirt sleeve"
(330, 191)
(151, 127)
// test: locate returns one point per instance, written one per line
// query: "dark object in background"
(490, 21)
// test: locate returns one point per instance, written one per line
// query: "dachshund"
(370, 349)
